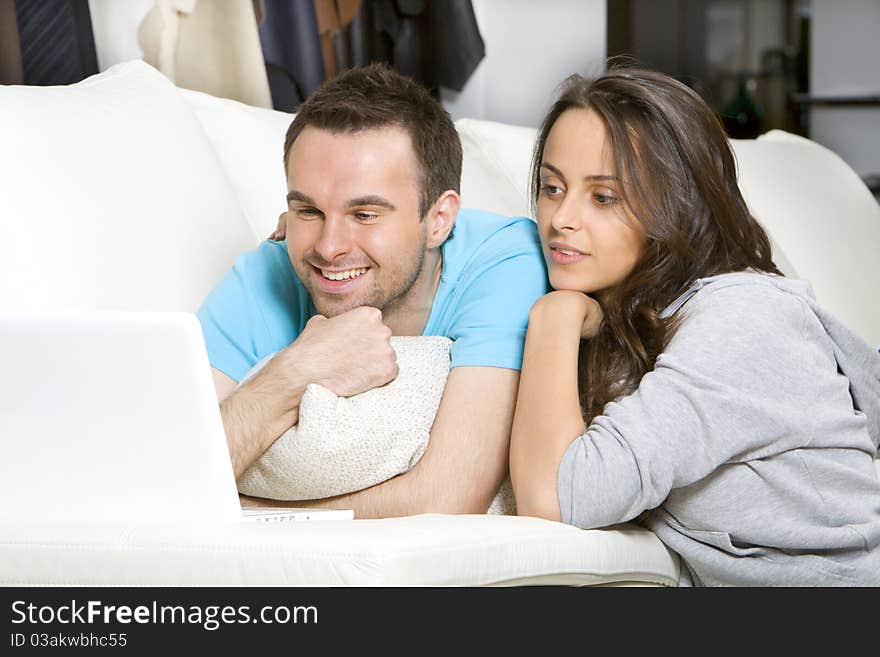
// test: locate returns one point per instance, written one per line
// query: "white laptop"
(113, 416)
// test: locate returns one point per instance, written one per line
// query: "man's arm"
(244, 436)
(255, 415)
(464, 463)
(348, 354)
(224, 384)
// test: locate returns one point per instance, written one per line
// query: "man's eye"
(365, 217)
(308, 213)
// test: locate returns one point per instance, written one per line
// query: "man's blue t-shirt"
(492, 272)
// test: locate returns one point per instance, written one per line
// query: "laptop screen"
(110, 416)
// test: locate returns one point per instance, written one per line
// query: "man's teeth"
(343, 275)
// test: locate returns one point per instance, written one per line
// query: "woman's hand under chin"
(570, 305)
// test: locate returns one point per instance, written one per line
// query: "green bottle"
(743, 117)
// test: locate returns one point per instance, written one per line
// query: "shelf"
(838, 101)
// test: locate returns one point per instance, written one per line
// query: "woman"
(674, 377)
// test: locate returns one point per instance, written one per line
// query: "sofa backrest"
(249, 143)
(827, 221)
(124, 192)
(111, 197)
(822, 220)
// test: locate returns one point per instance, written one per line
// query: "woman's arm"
(548, 415)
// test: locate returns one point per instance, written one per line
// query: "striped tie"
(57, 46)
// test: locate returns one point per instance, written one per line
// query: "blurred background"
(810, 67)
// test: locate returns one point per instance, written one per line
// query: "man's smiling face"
(354, 236)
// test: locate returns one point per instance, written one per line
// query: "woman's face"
(591, 240)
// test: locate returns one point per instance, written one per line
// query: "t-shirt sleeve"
(237, 315)
(492, 309)
(721, 392)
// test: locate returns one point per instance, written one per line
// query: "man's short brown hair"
(376, 96)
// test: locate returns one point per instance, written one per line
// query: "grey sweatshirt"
(749, 449)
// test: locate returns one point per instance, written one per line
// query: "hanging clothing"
(437, 43)
(291, 47)
(208, 46)
(10, 47)
(334, 17)
(56, 41)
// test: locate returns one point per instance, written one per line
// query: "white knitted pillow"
(343, 444)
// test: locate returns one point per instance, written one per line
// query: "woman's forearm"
(548, 416)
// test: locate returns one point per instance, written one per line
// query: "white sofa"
(124, 192)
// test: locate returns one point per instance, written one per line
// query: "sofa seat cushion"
(423, 550)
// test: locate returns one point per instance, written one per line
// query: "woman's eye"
(605, 200)
(550, 190)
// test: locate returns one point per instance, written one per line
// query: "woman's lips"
(565, 254)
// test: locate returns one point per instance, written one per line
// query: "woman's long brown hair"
(679, 181)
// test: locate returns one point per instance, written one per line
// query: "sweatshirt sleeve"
(725, 390)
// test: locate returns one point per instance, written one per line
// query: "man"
(373, 165)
